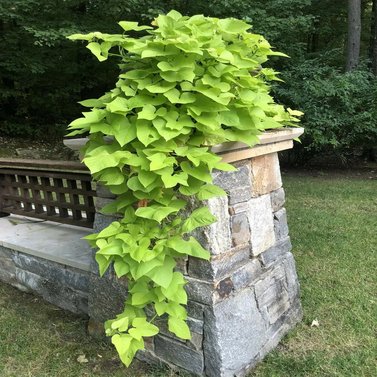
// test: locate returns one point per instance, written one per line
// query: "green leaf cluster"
(186, 84)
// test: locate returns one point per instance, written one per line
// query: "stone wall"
(63, 286)
(241, 302)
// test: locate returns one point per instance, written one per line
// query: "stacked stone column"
(245, 298)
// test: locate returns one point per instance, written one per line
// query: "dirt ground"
(34, 149)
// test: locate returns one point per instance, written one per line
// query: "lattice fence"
(49, 190)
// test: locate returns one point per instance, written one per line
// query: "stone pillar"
(246, 298)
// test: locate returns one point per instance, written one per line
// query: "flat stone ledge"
(267, 137)
(52, 241)
(269, 142)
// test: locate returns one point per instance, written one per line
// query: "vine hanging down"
(185, 85)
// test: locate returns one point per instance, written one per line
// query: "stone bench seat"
(47, 258)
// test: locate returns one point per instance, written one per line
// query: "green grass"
(39, 340)
(333, 225)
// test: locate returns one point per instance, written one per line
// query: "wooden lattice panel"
(49, 190)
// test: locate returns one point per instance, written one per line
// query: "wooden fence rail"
(60, 191)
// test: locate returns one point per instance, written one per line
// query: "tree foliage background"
(43, 75)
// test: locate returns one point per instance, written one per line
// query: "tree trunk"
(354, 34)
(313, 38)
(373, 38)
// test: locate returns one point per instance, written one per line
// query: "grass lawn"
(333, 225)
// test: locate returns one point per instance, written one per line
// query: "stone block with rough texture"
(275, 252)
(240, 229)
(240, 178)
(70, 277)
(61, 285)
(234, 332)
(247, 275)
(220, 266)
(102, 221)
(261, 224)
(281, 224)
(62, 296)
(106, 297)
(99, 203)
(265, 171)
(216, 238)
(277, 199)
(178, 354)
(104, 192)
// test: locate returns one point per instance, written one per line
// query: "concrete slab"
(46, 239)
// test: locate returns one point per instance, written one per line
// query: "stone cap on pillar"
(75, 144)
(269, 142)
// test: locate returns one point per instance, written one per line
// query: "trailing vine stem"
(184, 86)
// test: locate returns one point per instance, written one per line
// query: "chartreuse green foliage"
(185, 85)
